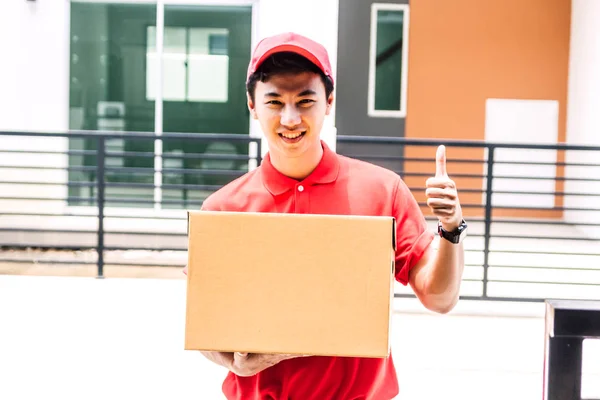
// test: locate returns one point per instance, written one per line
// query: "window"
(113, 86)
(195, 64)
(388, 60)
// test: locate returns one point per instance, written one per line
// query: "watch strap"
(455, 236)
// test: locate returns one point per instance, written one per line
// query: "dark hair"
(285, 63)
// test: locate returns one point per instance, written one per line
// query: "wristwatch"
(456, 236)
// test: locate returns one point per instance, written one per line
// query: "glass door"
(157, 68)
(205, 58)
(107, 49)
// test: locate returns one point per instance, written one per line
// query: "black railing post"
(100, 163)
(488, 218)
(258, 152)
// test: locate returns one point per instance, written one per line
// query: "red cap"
(292, 42)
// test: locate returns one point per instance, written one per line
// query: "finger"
(440, 183)
(437, 203)
(185, 270)
(440, 162)
(443, 212)
(241, 354)
(441, 193)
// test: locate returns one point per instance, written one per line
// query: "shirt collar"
(326, 172)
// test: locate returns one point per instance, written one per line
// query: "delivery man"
(290, 92)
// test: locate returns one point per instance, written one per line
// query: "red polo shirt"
(339, 185)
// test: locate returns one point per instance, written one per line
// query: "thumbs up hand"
(442, 196)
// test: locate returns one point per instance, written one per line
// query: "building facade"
(518, 71)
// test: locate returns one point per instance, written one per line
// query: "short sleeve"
(209, 204)
(412, 234)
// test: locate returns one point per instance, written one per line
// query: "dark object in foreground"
(568, 323)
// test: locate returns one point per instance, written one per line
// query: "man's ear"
(251, 106)
(329, 104)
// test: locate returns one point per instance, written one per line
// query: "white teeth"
(291, 135)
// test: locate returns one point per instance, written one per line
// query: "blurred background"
(118, 116)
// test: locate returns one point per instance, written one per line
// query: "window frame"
(371, 111)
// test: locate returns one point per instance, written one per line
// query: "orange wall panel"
(466, 51)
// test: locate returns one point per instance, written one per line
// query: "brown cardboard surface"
(289, 283)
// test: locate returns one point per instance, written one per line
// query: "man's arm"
(436, 278)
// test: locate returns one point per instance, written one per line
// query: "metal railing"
(90, 198)
(532, 209)
(87, 191)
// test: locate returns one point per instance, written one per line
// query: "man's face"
(291, 109)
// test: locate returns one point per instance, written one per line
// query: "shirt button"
(301, 188)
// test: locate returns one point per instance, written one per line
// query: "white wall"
(316, 19)
(11, 112)
(523, 121)
(35, 80)
(583, 111)
(34, 90)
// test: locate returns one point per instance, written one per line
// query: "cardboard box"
(290, 283)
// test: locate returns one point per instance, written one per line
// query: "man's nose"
(290, 117)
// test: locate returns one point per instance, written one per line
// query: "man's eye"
(306, 101)
(274, 102)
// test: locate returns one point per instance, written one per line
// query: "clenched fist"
(442, 196)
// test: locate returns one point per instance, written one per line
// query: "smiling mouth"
(292, 137)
